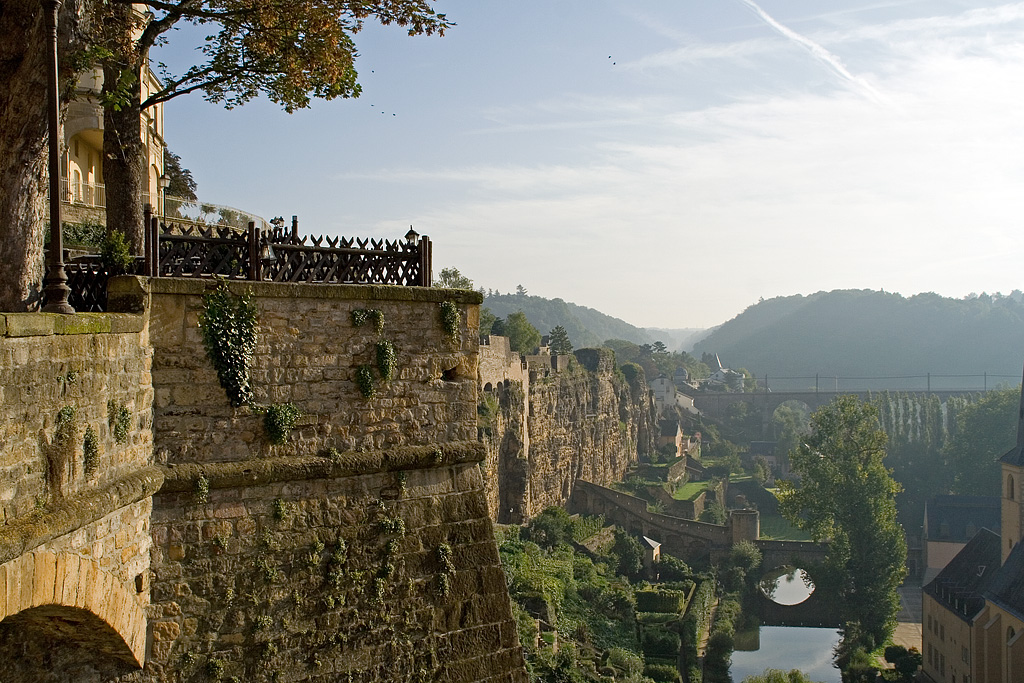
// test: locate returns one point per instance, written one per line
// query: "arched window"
(1009, 487)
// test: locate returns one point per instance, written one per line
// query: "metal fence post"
(425, 261)
(254, 252)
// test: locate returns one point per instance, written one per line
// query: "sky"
(665, 162)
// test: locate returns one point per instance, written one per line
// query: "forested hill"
(586, 327)
(857, 333)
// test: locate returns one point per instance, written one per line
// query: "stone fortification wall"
(584, 422)
(360, 549)
(321, 570)
(76, 485)
(62, 376)
(308, 353)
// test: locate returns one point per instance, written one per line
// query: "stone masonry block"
(43, 592)
(70, 585)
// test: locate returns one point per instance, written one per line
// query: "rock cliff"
(549, 424)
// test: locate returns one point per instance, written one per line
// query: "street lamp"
(55, 284)
(164, 182)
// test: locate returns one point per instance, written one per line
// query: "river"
(786, 647)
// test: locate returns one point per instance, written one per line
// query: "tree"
(984, 431)
(659, 347)
(451, 278)
(289, 50)
(23, 140)
(182, 185)
(522, 336)
(487, 320)
(558, 340)
(779, 676)
(848, 497)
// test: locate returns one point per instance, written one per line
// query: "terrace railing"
(280, 255)
(257, 254)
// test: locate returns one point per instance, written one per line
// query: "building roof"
(651, 543)
(1007, 587)
(960, 586)
(956, 519)
(669, 427)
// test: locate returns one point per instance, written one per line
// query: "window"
(942, 633)
(942, 665)
(1009, 487)
(966, 656)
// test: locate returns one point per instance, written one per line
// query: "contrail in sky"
(818, 52)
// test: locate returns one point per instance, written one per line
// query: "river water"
(786, 647)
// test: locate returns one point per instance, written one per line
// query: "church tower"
(1012, 481)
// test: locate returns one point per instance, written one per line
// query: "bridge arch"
(74, 599)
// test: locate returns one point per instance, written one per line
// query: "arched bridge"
(716, 405)
(686, 538)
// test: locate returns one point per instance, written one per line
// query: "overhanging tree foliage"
(289, 50)
(847, 496)
(292, 51)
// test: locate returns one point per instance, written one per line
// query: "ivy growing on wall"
(229, 324)
(279, 420)
(119, 419)
(387, 361)
(90, 451)
(450, 320)
(362, 316)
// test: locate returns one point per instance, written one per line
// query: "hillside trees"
(847, 497)
(983, 432)
(522, 336)
(288, 50)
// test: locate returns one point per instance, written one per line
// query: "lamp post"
(55, 284)
(164, 182)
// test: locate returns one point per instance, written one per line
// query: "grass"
(777, 528)
(690, 490)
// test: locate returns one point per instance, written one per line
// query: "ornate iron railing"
(261, 255)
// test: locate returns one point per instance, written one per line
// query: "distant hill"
(586, 327)
(862, 333)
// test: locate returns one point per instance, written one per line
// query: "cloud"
(818, 52)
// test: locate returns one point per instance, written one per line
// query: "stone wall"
(62, 376)
(76, 486)
(359, 550)
(308, 353)
(584, 422)
(361, 547)
(333, 570)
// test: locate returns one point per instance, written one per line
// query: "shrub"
(662, 673)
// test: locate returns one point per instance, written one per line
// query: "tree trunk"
(124, 160)
(23, 136)
(22, 153)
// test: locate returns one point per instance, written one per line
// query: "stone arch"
(488, 387)
(44, 584)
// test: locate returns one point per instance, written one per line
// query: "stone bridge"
(686, 538)
(716, 405)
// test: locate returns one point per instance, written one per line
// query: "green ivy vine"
(387, 361)
(229, 324)
(119, 418)
(90, 451)
(450, 320)
(366, 381)
(362, 316)
(279, 420)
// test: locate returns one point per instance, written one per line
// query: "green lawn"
(777, 528)
(690, 490)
